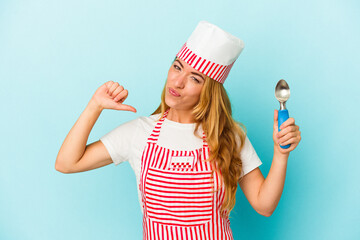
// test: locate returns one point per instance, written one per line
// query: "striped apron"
(177, 190)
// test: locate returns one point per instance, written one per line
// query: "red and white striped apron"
(177, 193)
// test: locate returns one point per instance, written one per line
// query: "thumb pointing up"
(276, 112)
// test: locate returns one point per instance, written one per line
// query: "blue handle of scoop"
(282, 117)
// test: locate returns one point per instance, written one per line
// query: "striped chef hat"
(211, 51)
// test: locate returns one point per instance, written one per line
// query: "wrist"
(279, 154)
(93, 105)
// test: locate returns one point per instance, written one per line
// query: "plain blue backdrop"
(55, 54)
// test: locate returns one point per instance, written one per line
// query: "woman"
(189, 155)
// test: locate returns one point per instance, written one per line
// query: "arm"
(264, 194)
(74, 146)
(74, 155)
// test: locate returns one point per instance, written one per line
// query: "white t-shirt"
(127, 142)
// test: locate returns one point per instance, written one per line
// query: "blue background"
(55, 54)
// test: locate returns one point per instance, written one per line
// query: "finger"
(121, 96)
(113, 87)
(286, 130)
(286, 150)
(276, 115)
(108, 85)
(283, 140)
(289, 149)
(276, 119)
(288, 122)
(295, 138)
(292, 147)
(283, 150)
(118, 90)
(293, 143)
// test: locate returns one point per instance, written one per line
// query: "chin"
(169, 102)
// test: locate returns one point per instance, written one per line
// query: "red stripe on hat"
(206, 66)
(182, 54)
(226, 73)
(185, 52)
(191, 60)
(212, 72)
(216, 74)
(197, 61)
(179, 53)
(210, 68)
(187, 56)
(202, 64)
(221, 73)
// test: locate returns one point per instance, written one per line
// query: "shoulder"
(247, 148)
(142, 121)
(147, 122)
(150, 119)
(139, 124)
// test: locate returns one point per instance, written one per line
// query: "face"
(183, 86)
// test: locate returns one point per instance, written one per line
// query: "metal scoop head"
(282, 93)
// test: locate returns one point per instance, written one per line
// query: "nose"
(180, 81)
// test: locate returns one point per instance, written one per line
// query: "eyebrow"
(191, 72)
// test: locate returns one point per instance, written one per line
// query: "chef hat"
(211, 51)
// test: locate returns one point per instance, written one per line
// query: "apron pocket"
(179, 198)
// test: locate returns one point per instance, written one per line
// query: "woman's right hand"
(111, 95)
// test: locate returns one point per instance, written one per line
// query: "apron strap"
(154, 136)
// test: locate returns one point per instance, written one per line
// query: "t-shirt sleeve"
(249, 157)
(118, 141)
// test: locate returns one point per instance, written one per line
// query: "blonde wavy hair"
(224, 136)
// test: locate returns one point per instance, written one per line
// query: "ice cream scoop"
(282, 94)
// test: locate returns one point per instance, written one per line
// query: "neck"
(181, 116)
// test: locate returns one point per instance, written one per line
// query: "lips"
(173, 92)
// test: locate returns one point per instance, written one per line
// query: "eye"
(176, 67)
(196, 80)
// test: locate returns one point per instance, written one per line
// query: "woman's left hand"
(289, 134)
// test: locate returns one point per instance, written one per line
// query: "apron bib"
(177, 190)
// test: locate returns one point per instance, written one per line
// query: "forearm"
(74, 144)
(272, 187)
